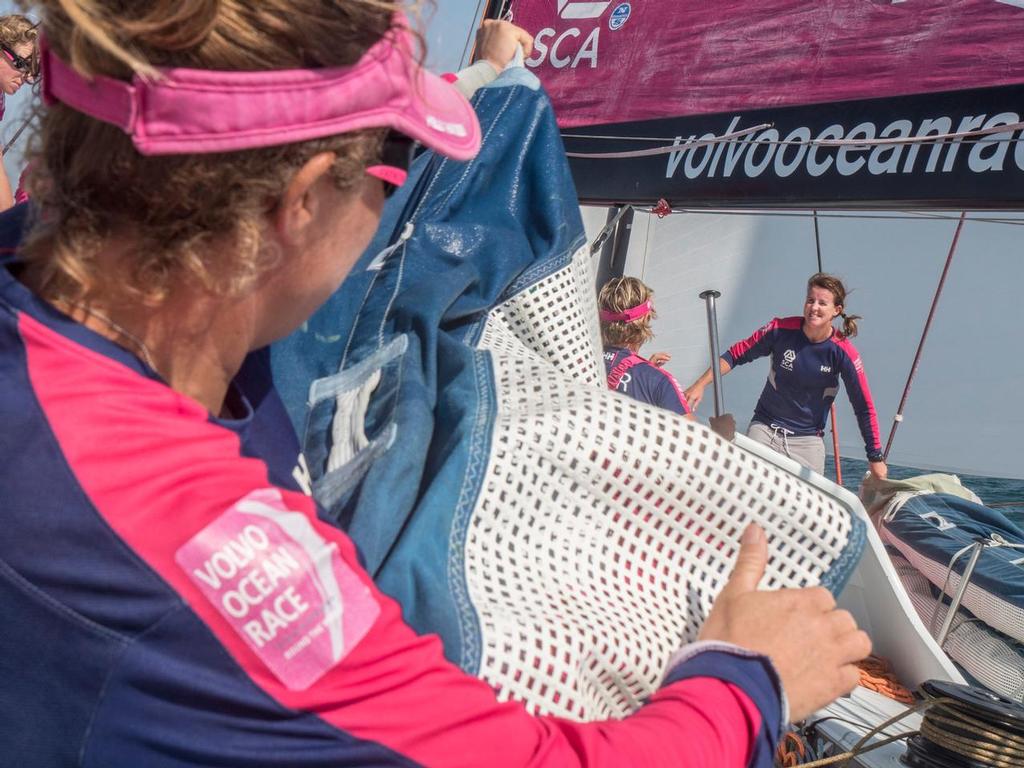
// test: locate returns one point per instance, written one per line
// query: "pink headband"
(627, 316)
(200, 111)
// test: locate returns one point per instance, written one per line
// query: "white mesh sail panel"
(557, 319)
(605, 527)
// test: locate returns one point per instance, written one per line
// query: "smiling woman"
(808, 357)
(18, 65)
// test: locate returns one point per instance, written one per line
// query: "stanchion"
(716, 374)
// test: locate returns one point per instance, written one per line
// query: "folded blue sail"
(480, 231)
(930, 529)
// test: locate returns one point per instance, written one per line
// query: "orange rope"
(877, 675)
(791, 750)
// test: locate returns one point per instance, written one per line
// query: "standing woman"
(207, 174)
(626, 311)
(17, 66)
(808, 357)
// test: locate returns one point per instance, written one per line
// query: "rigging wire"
(852, 215)
(832, 408)
(469, 35)
(924, 335)
(33, 114)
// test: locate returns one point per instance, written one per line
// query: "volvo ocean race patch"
(281, 586)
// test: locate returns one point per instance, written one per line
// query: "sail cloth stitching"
(470, 634)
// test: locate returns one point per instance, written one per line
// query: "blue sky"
(448, 27)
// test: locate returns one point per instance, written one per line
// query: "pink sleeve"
(285, 597)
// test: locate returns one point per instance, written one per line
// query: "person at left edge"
(626, 311)
(17, 66)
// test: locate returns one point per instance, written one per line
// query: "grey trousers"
(809, 450)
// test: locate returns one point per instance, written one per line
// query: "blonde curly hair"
(16, 30)
(188, 217)
(618, 295)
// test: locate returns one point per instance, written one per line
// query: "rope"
(877, 674)
(674, 147)
(851, 215)
(949, 724)
(859, 748)
(966, 731)
(730, 137)
(845, 757)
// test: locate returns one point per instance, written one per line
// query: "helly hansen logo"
(788, 358)
(826, 369)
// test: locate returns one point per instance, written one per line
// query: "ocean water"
(992, 490)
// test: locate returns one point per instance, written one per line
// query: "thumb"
(750, 563)
(525, 39)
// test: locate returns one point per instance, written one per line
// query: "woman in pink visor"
(207, 173)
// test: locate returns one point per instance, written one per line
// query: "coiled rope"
(965, 731)
(953, 732)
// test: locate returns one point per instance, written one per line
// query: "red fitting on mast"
(663, 208)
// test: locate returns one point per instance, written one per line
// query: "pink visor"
(626, 316)
(185, 111)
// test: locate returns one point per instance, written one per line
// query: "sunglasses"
(21, 63)
(395, 158)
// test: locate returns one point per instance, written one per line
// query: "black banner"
(785, 163)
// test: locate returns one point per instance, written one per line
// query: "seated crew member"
(627, 309)
(170, 595)
(808, 358)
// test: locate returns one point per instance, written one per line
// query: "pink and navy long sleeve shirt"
(803, 380)
(633, 375)
(170, 597)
